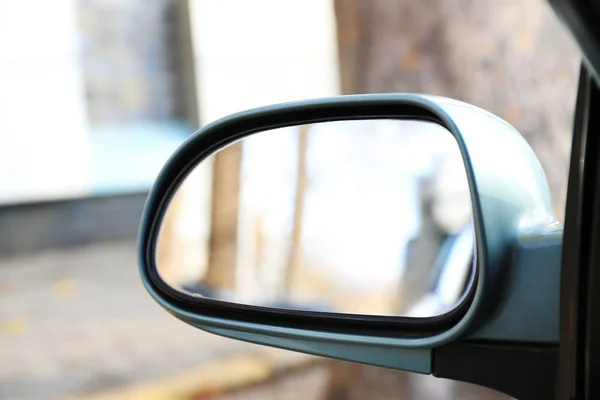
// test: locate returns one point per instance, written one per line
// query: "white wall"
(253, 53)
(43, 131)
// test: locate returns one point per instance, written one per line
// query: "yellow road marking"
(65, 289)
(16, 326)
(227, 374)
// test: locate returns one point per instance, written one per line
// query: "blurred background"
(96, 95)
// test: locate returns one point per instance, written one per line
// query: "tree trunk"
(509, 57)
(222, 258)
(294, 258)
(168, 246)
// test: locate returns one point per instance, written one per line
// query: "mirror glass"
(360, 217)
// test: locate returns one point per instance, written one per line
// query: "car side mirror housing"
(511, 295)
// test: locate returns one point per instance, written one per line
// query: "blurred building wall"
(43, 123)
(91, 108)
(130, 60)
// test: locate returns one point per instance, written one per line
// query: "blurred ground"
(79, 321)
(78, 324)
(306, 384)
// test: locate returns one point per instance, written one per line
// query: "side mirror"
(486, 307)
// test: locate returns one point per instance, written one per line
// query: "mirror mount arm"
(508, 367)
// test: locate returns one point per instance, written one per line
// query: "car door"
(579, 364)
(580, 302)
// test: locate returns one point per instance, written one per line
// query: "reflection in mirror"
(359, 217)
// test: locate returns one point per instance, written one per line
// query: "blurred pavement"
(80, 322)
(306, 384)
